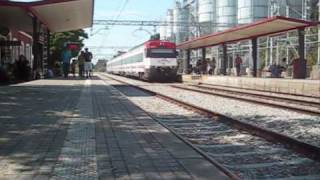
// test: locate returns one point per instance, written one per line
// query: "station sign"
(73, 45)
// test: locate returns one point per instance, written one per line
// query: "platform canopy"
(268, 26)
(56, 15)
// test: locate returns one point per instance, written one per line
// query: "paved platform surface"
(294, 86)
(85, 129)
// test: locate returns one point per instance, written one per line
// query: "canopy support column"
(224, 58)
(301, 34)
(203, 50)
(186, 61)
(254, 42)
(35, 46)
(300, 65)
(50, 61)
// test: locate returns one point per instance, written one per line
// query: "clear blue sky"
(124, 35)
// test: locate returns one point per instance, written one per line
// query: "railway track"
(309, 105)
(297, 95)
(239, 149)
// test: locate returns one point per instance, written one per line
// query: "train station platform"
(294, 86)
(86, 129)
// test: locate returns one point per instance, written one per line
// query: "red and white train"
(154, 60)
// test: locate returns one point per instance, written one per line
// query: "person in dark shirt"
(81, 62)
(238, 62)
(66, 57)
(21, 69)
(87, 66)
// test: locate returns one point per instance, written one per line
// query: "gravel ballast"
(303, 127)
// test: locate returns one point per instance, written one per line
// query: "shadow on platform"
(34, 126)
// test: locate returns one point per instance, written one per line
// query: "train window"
(161, 53)
(128, 60)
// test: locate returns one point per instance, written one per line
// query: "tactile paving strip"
(77, 159)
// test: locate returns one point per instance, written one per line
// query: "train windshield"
(161, 53)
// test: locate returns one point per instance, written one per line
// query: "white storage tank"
(207, 15)
(252, 10)
(226, 14)
(206, 10)
(184, 30)
(163, 32)
(176, 16)
(169, 19)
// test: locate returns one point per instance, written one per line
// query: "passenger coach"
(154, 60)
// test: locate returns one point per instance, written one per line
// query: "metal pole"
(301, 33)
(186, 61)
(287, 42)
(301, 66)
(271, 51)
(267, 52)
(35, 49)
(50, 61)
(224, 58)
(277, 53)
(254, 54)
(319, 38)
(203, 54)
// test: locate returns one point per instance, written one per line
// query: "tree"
(58, 41)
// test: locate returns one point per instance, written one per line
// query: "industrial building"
(190, 19)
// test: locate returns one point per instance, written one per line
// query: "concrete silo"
(163, 32)
(226, 14)
(184, 17)
(169, 28)
(207, 15)
(176, 15)
(251, 10)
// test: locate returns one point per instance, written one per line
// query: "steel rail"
(259, 90)
(308, 150)
(295, 100)
(226, 171)
(256, 101)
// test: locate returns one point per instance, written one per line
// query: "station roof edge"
(32, 8)
(190, 44)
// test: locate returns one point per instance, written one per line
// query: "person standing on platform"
(66, 57)
(81, 62)
(198, 67)
(204, 66)
(87, 66)
(238, 62)
(213, 66)
(73, 67)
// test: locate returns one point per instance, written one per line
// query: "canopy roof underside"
(263, 27)
(57, 15)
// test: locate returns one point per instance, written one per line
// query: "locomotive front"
(161, 60)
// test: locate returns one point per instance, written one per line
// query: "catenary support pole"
(319, 36)
(50, 61)
(300, 68)
(224, 59)
(35, 48)
(254, 53)
(186, 61)
(203, 50)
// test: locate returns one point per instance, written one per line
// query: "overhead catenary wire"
(152, 23)
(115, 18)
